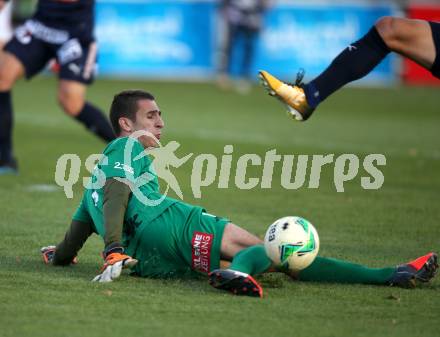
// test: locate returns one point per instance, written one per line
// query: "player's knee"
(10, 70)
(5, 85)
(6, 81)
(236, 238)
(71, 104)
(387, 29)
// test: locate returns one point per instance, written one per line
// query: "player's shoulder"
(123, 144)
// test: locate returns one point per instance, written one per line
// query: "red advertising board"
(412, 72)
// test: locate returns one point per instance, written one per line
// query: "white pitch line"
(47, 188)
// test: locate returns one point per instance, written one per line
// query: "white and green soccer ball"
(291, 243)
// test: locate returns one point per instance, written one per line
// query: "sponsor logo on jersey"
(124, 167)
(46, 34)
(95, 198)
(23, 35)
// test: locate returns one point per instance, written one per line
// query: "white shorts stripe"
(91, 61)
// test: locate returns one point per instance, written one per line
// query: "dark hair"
(125, 105)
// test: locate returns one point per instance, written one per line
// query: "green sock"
(338, 271)
(252, 260)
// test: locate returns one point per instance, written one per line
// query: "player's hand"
(114, 263)
(48, 253)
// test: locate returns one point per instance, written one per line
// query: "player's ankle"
(312, 95)
(114, 247)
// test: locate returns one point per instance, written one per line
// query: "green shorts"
(182, 240)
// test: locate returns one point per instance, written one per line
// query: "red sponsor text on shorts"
(201, 251)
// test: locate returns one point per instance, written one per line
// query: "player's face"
(148, 118)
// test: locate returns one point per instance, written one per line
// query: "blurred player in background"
(5, 23)
(170, 238)
(417, 40)
(62, 30)
(243, 20)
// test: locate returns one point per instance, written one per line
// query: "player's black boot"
(422, 269)
(236, 282)
(10, 167)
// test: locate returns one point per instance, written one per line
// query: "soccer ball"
(291, 243)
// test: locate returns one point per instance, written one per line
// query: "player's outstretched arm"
(116, 195)
(65, 252)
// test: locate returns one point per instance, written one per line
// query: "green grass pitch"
(381, 227)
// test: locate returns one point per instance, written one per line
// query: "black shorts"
(35, 44)
(435, 28)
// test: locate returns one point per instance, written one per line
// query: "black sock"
(5, 127)
(95, 121)
(353, 63)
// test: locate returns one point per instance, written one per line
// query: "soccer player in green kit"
(157, 236)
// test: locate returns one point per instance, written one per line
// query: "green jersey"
(124, 158)
(167, 236)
